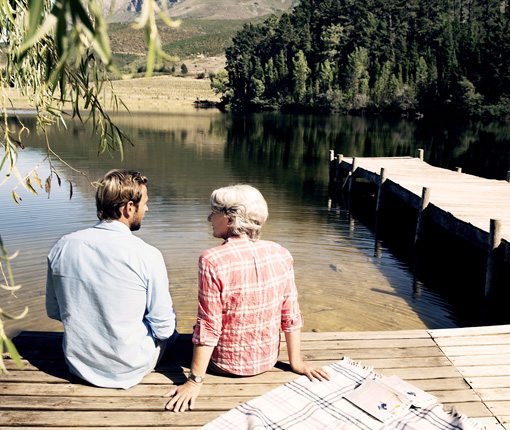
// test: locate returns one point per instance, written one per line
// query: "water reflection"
(344, 283)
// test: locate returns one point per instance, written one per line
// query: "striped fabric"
(306, 405)
(246, 292)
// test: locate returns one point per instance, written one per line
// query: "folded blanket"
(303, 404)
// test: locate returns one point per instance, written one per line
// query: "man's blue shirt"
(110, 290)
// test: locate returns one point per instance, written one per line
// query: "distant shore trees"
(405, 57)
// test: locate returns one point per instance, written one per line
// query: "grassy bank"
(140, 94)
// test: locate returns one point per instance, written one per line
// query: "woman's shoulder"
(274, 247)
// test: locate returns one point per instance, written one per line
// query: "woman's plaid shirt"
(246, 291)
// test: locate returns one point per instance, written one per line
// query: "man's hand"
(310, 370)
(183, 397)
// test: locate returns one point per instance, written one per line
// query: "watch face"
(197, 378)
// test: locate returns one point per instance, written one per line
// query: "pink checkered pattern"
(246, 292)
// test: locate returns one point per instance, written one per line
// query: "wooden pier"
(468, 369)
(472, 208)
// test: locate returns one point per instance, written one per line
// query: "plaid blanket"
(302, 404)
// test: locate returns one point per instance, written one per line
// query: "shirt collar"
(242, 238)
(113, 226)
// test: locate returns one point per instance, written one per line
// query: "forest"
(412, 57)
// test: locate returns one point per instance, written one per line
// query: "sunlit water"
(342, 285)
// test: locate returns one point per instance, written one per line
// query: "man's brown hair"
(118, 188)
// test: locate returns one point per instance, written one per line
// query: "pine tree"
(299, 77)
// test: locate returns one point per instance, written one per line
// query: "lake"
(344, 284)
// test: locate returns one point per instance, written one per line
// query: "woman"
(246, 292)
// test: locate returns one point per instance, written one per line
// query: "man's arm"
(52, 308)
(297, 364)
(184, 396)
(160, 313)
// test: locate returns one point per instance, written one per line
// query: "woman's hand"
(310, 370)
(297, 364)
(183, 397)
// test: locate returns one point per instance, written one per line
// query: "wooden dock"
(468, 369)
(472, 208)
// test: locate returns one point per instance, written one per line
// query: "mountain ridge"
(127, 10)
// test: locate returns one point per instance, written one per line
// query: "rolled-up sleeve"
(291, 315)
(210, 308)
(160, 313)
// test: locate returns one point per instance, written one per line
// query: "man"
(110, 290)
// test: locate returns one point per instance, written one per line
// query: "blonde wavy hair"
(244, 205)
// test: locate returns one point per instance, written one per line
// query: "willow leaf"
(143, 19)
(35, 176)
(16, 197)
(13, 352)
(42, 31)
(35, 14)
(151, 54)
(15, 317)
(77, 10)
(8, 288)
(47, 186)
(28, 181)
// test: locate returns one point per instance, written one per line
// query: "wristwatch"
(195, 378)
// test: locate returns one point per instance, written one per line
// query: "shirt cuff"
(204, 334)
(292, 323)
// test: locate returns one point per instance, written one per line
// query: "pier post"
(420, 154)
(378, 207)
(459, 169)
(380, 192)
(494, 243)
(331, 165)
(338, 164)
(353, 177)
(425, 198)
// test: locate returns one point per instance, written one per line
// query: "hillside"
(126, 10)
(200, 44)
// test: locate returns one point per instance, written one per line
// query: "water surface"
(343, 284)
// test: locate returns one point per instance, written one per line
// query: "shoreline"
(155, 94)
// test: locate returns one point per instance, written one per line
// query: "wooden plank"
(397, 334)
(157, 404)
(107, 418)
(499, 408)
(366, 344)
(127, 404)
(366, 354)
(489, 382)
(490, 423)
(495, 394)
(455, 396)
(480, 360)
(469, 409)
(451, 351)
(159, 378)
(422, 372)
(475, 371)
(45, 389)
(113, 427)
(495, 339)
(411, 362)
